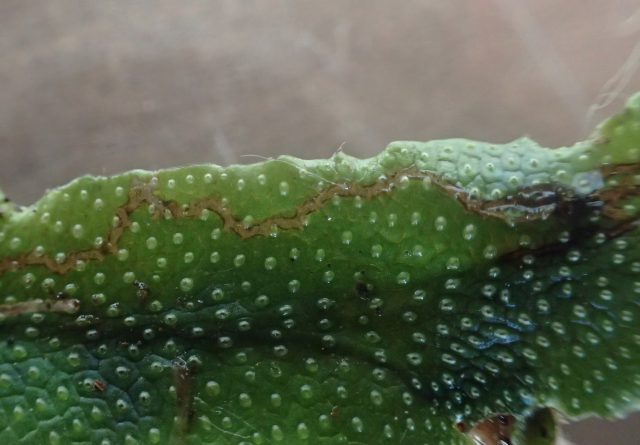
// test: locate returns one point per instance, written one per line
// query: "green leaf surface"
(404, 299)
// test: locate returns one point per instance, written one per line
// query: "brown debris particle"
(495, 430)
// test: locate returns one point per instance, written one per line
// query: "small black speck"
(191, 415)
(544, 433)
(143, 291)
(362, 289)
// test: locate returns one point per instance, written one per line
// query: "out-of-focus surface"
(105, 86)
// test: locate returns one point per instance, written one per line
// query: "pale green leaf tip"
(6, 206)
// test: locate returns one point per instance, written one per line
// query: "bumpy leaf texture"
(439, 293)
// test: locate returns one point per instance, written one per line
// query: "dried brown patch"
(65, 306)
(183, 378)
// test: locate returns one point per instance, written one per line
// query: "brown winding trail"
(530, 203)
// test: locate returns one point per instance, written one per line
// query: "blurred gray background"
(105, 86)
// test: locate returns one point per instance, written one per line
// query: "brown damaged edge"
(529, 203)
(66, 306)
